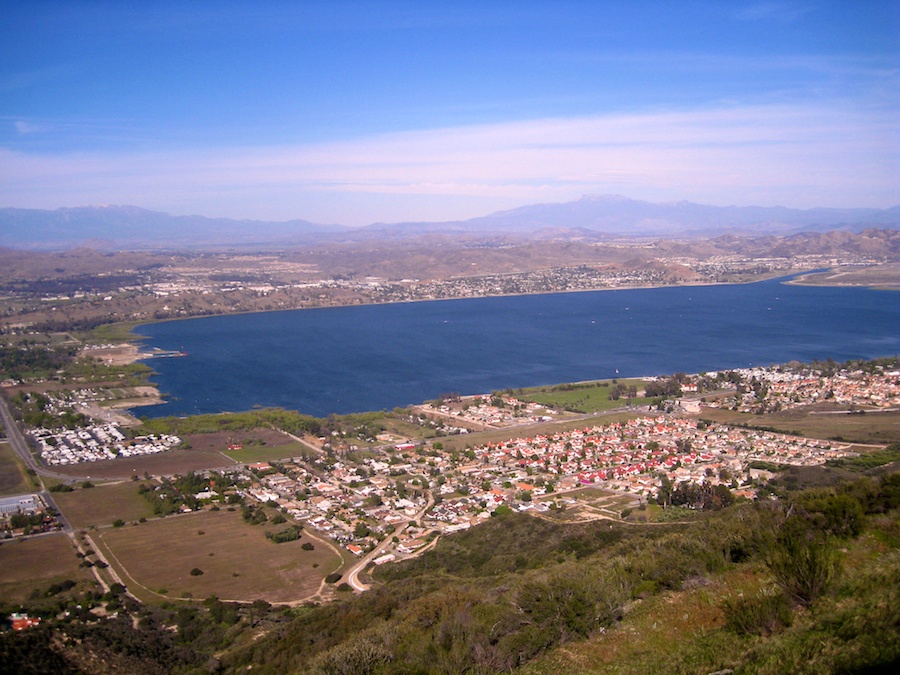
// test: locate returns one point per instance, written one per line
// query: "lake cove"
(377, 357)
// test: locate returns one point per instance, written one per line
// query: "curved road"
(353, 574)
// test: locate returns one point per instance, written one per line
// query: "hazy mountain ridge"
(132, 226)
(591, 218)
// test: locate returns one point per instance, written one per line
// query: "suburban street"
(353, 574)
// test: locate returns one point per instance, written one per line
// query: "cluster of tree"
(287, 534)
(35, 411)
(255, 515)
(287, 420)
(619, 390)
(668, 388)
(80, 283)
(81, 325)
(705, 495)
(172, 494)
(33, 360)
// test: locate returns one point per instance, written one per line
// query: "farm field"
(155, 559)
(33, 564)
(872, 427)
(103, 504)
(12, 480)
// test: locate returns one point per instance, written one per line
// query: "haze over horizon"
(359, 112)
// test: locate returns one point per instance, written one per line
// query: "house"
(23, 621)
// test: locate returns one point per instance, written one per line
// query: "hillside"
(591, 218)
(805, 583)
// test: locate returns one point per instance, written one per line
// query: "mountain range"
(595, 217)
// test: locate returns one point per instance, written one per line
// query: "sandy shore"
(115, 355)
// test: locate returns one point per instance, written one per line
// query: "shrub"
(763, 614)
(803, 560)
(196, 572)
(287, 534)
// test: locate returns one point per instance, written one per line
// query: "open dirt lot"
(155, 559)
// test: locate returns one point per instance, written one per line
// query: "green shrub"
(803, 560)
(762, 614)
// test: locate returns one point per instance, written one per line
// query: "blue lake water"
(352, 359)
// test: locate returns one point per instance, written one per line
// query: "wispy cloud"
(784, 12)
(24, 128)
(793, 155)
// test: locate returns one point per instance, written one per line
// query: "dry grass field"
(162, 464)
(885, 276)
(33, 564)
(103, 504)
(238, 562)
(12, 480)
(873, 427)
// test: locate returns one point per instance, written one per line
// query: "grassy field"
(867, 428)
(12, 478)
(33, 564)
(237, 561)
(256, 453)
(103, 504)
(588, 397)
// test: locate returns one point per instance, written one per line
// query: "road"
(20, 446)
(353, 574)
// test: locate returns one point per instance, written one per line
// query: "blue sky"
(358, 112)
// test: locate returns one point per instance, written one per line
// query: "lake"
(352, 359)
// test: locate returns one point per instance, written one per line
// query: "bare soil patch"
(117, 355)
(236, 559)
(221, 439)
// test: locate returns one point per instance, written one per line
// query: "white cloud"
(23, 127)
(792, 155)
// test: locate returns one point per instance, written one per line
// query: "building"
(20, 504)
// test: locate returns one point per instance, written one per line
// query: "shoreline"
(134, 350)
(139, 324)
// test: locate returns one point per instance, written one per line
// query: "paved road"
(15, 437)
(353, 574)
(20, 447)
